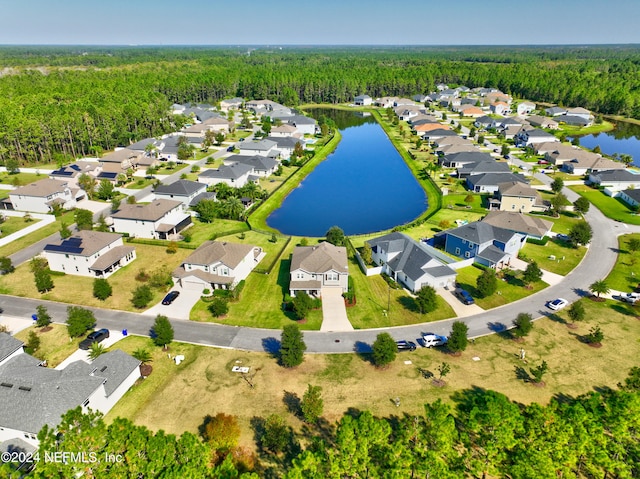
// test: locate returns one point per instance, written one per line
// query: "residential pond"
(363, 186)
(623, 139)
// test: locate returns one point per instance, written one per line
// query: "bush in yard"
(595, 335)
(532, 274)
(218, 307)
(539, 371)
(33, 343)
(142, 296)
(487, 283)
(221, 431)
(556, 185)
(384, 349)
(576, 312)
(426, 299)
(6, 265)
(41, 274)
(302, 304)
(523, 324)
(44, 319)
(162, 331)
(101, 289)
(312, 404)
(276, 434)
(632, 381)
(581, 205)
(457, 340)
(292, 346)
(79, 321)
(581, 233)
(335, 236)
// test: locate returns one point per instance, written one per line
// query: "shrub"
(302, 304)
(541, 242)
(79, 320)
(33, 343)
(426, 299)
(142, 296)
(44, 319)
(457, 341)
(292, 346)
(312, 404)
(221, 431)
(275, 434)
(523, 325)
(487, 283)
(162, 331)
(384, 349)
(101, 289)
(218, 307)
(595, 335)
(238, 289)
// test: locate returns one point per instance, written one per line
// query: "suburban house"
(497, 96)
(386, 101)
(470, 111)
(535, 135)
(631, 197)
(458, 160)
(615, 180)
(484, 122)
(581, 112)
(574, 120)
(160, 219)
(284, 131)
(423, 128)
(119, 161)
(260, 165)
(488, 245)
(316, 267)
(591, 165)
(555, 111)
(539, 121)
(89, 253)
(489, 182)
(236, 175)
(285, 145)
(530, 226)
(43, 195)
(545, 147)
(217, 265)
(438, 134)
(181, 190)
(463, 147)
(72, 172)
(231, 104)
(563, 153)
(520, 197)
(260, 107)
(33, 396)
(362, 100)
(525, 107)
(410, 263)
(212, 124)
(481, 167)
(262, 147)
(304, 124)
(499, 108)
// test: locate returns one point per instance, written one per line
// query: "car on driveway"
(630, 297)
(563, 237)
(170, 297)
(431, 339)
(406, 345)
(463, 296)
(557, 304)
(94, 337)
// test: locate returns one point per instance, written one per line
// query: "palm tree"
(233, 208)
(599, 287)
(142, 355)
(96, 350)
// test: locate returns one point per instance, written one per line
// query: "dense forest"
(58, 103)
(482, 434)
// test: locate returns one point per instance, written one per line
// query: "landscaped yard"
(201, 232)
(622, 276)
(508, 291)
(14, 223)
(561, 224)
(566, 257)
(176, 398)
(611, 207)
(55, 345)
(79, 289)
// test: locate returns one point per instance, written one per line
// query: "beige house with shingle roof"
(89, 253)
(217, 265)
(563, 153)
(160, 219)
(320, 266)
(519, 197)
(41, 196)
(518, 223)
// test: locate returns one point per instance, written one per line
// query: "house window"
(467, 254)
(464, 241)
(77, 269)
(513, 207)
(457, 251)
(470, 245)
(299, 276)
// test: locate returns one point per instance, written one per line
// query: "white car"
(557, 304)
(430, 339)
(630, 297)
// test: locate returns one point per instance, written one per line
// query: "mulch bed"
(516, 339)
(349, 304)
(597, 300)
(595, 345)
(46, 329)
(439, 383)
(145, 370)
(541, 384)
(301, 321)
(572, 326)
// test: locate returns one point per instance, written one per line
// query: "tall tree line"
(57, 103)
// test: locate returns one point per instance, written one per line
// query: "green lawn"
(139, 183)
(20, 179)
(201, 232)
(508, 291)
(566, 257)
(622, 276)
(55, 344)
(571, 130)
(563, 223)
(13, 224)
(611, 207)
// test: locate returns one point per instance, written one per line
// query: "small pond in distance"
(363, 186)
(623, 139)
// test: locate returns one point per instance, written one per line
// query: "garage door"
(192, 285)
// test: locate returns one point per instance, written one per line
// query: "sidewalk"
(44, 220)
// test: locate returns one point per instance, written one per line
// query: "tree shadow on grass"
(522, 374)
(626, 310)
(271, 345)
(293, 403)
(322, 429)
(283, 276)
(363, 350)
(408, 303)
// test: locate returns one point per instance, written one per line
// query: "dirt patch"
(439, 383)
(597, 300)
(595, 345)
(518, 340)
(46, 329)
(302, 321)
(541, 384)
(145, 370)
(572, 326)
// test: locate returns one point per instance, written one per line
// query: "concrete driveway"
(334, 312)
(461, 310)
(15, 324)
(180, 308)
(83, 355)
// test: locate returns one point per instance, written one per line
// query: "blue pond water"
(363, 186)
(624, 139)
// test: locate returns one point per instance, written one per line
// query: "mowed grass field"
(626, 274)
(176, 398)
(55, 344)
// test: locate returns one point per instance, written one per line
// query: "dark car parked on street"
(94, 337)
(406, 345)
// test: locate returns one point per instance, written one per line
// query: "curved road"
(597, 264)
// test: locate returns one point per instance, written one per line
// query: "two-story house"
(160, 219)
(316, 267)
(235, 174)
(89, 253)
(217, 265)
(180, 190)
(520, 197)
(487, 244)
(43, 195)
(411, 263)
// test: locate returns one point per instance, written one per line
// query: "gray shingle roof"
(492, 254)
(41, 188)
(616, 175)
(212, 252)
(8, 345)
(205, 195)
(320, 259)
(111, 257)
(227, 172)
(493, 179)
(519, 223)
(180, 188)
(480, 167)
(633, 194)
(115, 366)
(262, 145)
(84, 243)
(479, 233)
(150, 212)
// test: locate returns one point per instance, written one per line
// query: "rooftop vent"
(24, 388)
(6, 385)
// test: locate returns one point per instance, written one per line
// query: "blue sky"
(318, 22)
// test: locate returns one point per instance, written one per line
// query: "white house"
(71, 173)
(217, 265)
(499, 108)
(285, 145)
(32, 396)
(411, 263)
(583, 166)
(41, 196)
(262, 147)
(363, 100)
(181, 190)
(630, 196)
(160, 219)
(236, 175)
(89, 253)
(284, 131)
(615, 180)
(231, 104)
(261, 166)
(525, 107)
(316, 267)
